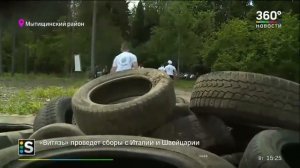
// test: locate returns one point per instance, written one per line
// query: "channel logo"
(268, 19)
(26, 147)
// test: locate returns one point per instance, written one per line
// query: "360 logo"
(268, 19)
(267, 15)
(26, 147)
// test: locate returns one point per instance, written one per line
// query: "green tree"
(137, 29)
(120, 16)
(173, 38)
(239, 46)
(153, 9)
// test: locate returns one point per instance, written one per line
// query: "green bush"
(239, 46)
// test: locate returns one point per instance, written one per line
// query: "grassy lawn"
(26, 94)
(186, 85)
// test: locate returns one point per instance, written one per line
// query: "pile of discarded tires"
(233, 119)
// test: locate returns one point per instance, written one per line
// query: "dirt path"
(184, 94)
(17, 119)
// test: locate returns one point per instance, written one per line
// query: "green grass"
(29, 102)
(40, 80)
(27, 94)
(186, 85)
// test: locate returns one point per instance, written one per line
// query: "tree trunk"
(72, 50)
(26, 60)
(178, 55)
(71, 17)
(13, 55)
(93, 39)
(1, 67)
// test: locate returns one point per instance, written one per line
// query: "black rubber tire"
(243, 134)
(180, 100)
(56, 130)
(105, 105)
(58, 110)
(8, 139)
(234, 158)
(210, 131)
(244, 97)
(133, 156)
(8, 127)
(274, 144)
(181, 109)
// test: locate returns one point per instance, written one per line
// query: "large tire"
(243, 134)
(273, 149)
(234, 158)
(210, 131)
(11, 138)
(181, 109)
(56, 130)
(8, 127)
(133, 156)
(244, 97)
(58, 110)
(180, 100)
(130, 102)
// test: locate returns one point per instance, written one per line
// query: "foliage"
(137, 31)
(197, 35)
(175, 25)
(239, 46)
(51, 49)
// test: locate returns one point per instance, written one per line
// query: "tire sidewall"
(144, 112)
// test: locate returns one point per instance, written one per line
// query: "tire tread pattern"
(259, 98)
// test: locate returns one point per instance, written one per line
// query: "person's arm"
(135, 63)
(113, 67)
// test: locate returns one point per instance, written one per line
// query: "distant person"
(97, 71)
(141, 66)
(125, 60)
(170, 69)
(162, 68)
(105, 70)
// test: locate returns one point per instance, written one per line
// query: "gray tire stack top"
(143, 102)
(148, 100)
(245, 97)
(272, 148)
(58, 110)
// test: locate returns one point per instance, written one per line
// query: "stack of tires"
(262, 112)
(240, 119)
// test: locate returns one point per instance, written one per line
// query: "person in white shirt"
(161, 68)
(125, 60)
(170, 69)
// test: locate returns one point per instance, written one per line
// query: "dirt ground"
(184, 94)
